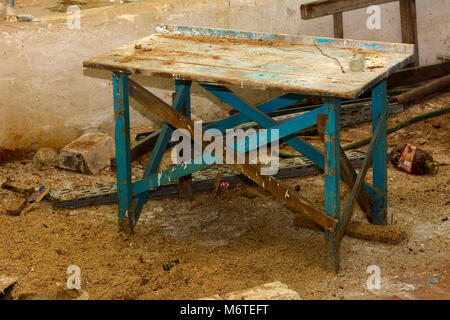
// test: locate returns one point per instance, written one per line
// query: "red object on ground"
(411, 159)
(224, 185)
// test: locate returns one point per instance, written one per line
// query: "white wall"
(45, 97)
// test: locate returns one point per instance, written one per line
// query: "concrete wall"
(45, 97)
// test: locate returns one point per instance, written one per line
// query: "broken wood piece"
(424, 91)
(16, 207)
(11, 203)
(36, 198)
(393, 234)
(414, 75)
(268, 291)
(16, 187)
(6, 282)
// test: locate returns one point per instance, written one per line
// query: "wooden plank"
(414, 75)
(357, 187)
(35, 198)
(273, 185)
(349, 176)
(409, 25)
(424, 91)
(298, 64)
(338, 25)
(323, 8)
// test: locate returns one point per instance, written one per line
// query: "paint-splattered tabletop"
(293, 63)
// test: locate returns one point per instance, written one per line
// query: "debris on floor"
(35, 198)
(6, 282)
(88, 154)
(169, 265)
(412, 160)
(268, 291)
(393, 234)
(59, 197)
(44, 158)
(11, 203)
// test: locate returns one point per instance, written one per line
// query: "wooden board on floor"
(293, 63)
(415, 75)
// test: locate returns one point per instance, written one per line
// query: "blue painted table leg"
(122, 138)
(185, 183)
(379, 105)
(332, 109)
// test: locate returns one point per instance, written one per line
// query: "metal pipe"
(10, 9)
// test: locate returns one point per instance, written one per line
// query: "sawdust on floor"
(240, 239)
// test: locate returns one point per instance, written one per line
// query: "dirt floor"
(241, 239)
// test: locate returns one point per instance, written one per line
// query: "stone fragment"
(88, 154)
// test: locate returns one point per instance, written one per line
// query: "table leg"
(332, 109)
(379, 105)
(122, 140)
(185, 183)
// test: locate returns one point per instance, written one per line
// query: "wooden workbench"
(298, 65)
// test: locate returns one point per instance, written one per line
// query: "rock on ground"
(45, 157)
(88, 154)
(268, 291)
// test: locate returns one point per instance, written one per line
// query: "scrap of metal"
(202, 180)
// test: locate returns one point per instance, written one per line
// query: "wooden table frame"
(132, 195)
(372, 198)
